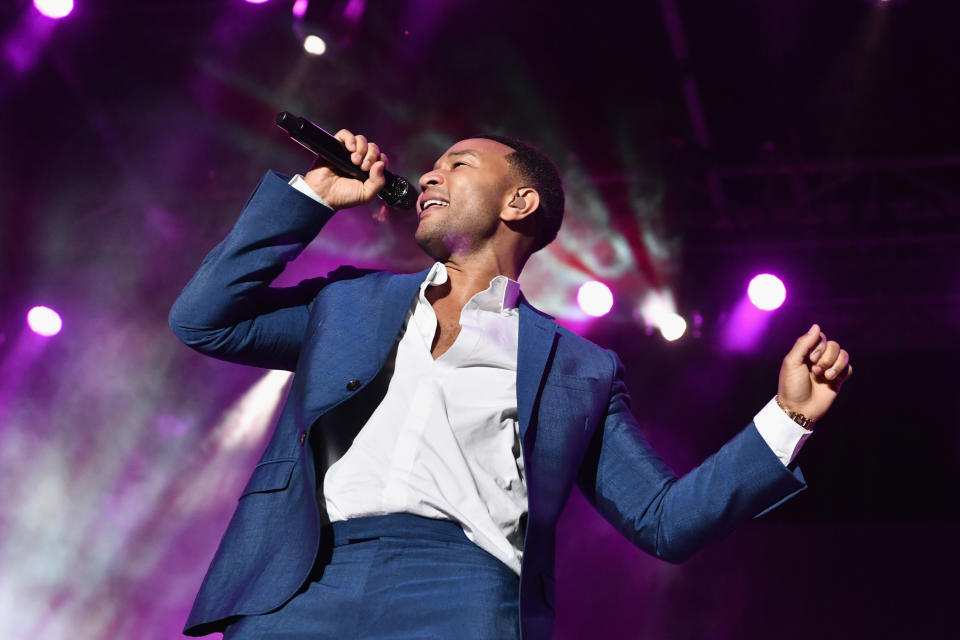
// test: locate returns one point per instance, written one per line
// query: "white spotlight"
(767, 292)
(595, 298)
(314, 45)
(672, 326)
(54, 8)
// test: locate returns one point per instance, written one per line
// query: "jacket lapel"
(537, 334)
(398, 295)
(535, 342)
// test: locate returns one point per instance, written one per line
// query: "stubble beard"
(430, 238)
(440, 238)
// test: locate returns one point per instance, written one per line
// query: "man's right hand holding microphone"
(342, 192)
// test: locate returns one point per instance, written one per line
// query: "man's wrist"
(784, 436)
(796, 416)
(298, 183)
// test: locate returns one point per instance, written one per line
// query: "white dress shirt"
(444, 442)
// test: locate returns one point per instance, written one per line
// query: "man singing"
(437, 422)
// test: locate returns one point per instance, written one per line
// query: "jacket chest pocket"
(570, 400)
(271, 475)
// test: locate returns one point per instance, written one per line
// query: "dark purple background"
(817, 140)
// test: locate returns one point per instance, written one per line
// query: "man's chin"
(434, 247)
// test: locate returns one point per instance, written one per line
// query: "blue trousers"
(397, 576)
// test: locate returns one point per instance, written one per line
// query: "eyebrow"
(458, 153)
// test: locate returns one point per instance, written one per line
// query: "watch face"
(799, 418)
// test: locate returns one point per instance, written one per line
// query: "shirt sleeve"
(298, 183)
(784, 436)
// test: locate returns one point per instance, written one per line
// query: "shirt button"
(353, 385)
(303, 437)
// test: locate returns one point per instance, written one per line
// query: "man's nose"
(430, 178)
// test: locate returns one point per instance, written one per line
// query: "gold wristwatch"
(799, 418)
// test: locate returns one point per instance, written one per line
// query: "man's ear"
(525, 201)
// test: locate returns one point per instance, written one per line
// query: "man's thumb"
(803, 345)
(376, 181)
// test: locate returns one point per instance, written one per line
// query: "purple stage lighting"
(595, 298)
(300, 8)
(256, 1)
(44, 321)
(354, 10)
(54, 8)
(767, 292)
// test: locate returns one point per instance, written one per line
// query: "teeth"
(430, 203)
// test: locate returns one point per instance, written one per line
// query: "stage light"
(256, 1)
(595, 298)
(672, 326)
(314, 45)
(54, 8)
(766, 292)
(332, 25)
(44, 321)
(354, 9)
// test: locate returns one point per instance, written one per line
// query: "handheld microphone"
(397, 193)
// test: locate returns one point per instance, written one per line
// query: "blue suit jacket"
(574, 413)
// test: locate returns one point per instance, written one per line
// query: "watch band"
(799, 418)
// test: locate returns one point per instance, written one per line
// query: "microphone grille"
(399, 194)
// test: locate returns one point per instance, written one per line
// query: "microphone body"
(397, 192)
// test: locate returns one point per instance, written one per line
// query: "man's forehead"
(481, 147)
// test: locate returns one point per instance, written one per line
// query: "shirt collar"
(501, 296)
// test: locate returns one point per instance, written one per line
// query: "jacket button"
(353, 385)
(303, 437)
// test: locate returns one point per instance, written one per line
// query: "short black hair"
(539, 172)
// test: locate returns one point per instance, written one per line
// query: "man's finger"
(818, 350)
(375, 181)
(839, 367)
(826, 358)
(376, 173)
(829, 355)
(836, 382)
(361, 149)
(373, 154)
(803, 345)
(347, 138)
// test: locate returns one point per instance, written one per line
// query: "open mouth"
(434, 203)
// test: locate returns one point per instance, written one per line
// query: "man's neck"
(467, 276)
